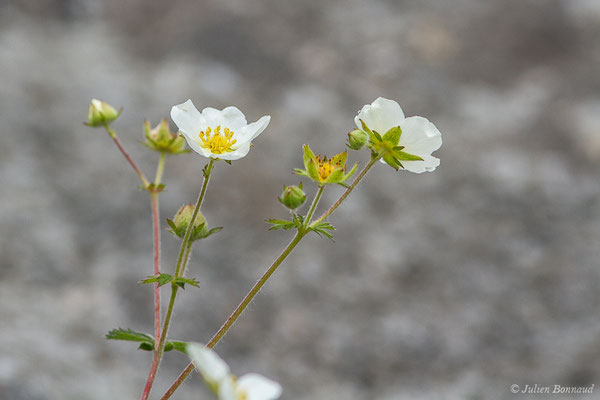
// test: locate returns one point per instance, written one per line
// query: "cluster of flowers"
(400, 142)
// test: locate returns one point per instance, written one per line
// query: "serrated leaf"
(129, 335)
(162, 279)
(281, 224)
(182, 281)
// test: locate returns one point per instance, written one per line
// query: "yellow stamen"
(325, 167)
(217, 143)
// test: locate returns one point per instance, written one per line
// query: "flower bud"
(160, 138)
(101, 113)
(357, 139)
(292, 196)
(182, 219)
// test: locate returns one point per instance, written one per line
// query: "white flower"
(223, 134)
(419, 136)
(225, 385)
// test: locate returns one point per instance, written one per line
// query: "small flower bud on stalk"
(292, 196)
(182, 219)
(161, 139)
(101, 113)
(357, 139)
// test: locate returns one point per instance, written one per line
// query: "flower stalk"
(179, 269)
(263, 279)
(114, 137)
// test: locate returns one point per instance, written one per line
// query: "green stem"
(160, 168)
(263, 279)
(313, 206)
(156, 233)
(184, 250)
(114, 137)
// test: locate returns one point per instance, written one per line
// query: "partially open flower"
(226, 386)
(325, 170)
(100, 113)
(160, 138)
(405, 143)
(219, 134)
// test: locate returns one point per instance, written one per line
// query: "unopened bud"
(182, 219)
(357, 139)
(292, 196)
(101, 113)
(160, 138)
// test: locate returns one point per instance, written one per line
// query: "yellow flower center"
(217, 143)
(325, 167)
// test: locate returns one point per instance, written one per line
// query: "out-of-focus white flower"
(417, 136)
(219, 134)
(226, 386)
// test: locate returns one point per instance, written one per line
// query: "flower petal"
(429, 164)
(251, 131)
(257, 387)
(230, 117)
(212, 368)
(419, 136)
(187, 118)
(381, 115)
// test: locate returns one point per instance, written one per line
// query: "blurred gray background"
(446, 285)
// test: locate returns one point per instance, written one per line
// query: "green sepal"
(162, 279)
(310, 163)
(393, 136)
(340, 159)
(366, 128)
(392, 161)
(350, 173)
(400, 155)
(336, 176)
(129, 335)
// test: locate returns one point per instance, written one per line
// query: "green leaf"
(162, 279)
(177, 346)
(182, 281)
(147, 346)
(281, 224)
(322, 229)
(393, 136)
(129, 335)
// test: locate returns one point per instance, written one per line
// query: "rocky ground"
(449, 285)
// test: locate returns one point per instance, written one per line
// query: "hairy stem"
(156, 234)
(184, 250)
(114, 137)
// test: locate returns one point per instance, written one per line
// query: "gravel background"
(448, 285)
